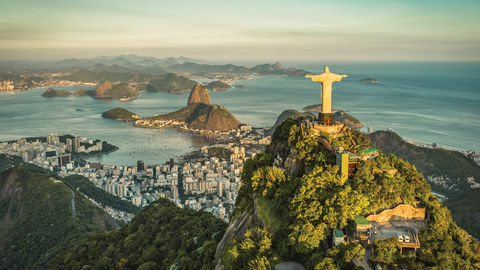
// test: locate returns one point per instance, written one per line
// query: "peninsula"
(199, 117)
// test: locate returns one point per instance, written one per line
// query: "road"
(364, 261)
(73, 205)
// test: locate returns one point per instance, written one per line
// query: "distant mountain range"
(130, 60)
(170, 83)
(263, 69)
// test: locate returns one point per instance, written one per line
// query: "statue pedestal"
(325, 118)
(333, 129)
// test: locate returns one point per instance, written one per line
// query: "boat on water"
(124, 99)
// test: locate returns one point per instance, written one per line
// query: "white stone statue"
(326, 78)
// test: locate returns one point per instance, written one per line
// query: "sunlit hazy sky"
(242, 30)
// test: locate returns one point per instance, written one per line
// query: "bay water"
(430, 102)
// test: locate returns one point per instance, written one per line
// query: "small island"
(82, 92)
(56, 93)
(120, 114)
(106, 89)
(217, 86)
(369, 80)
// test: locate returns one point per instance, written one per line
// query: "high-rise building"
(220, 188)
(175, 193)
(69, 145)
(370, 130)
(140, 166)
(76, 144)
(64, 159)
(25, 157)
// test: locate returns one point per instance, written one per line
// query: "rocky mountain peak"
(199, 94)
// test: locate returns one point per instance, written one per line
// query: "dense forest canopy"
(295, 189)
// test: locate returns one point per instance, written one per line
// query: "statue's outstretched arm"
(340, 77)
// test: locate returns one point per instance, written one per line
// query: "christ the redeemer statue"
(326, 78)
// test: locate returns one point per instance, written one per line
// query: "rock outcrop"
(102, 88)
(347, 119)
(120, 114)
(294, 114)
(203, 117)
(201, 114)
(82, 92)
(199, 94)
(369, 80)
(214, 118)
(118, 90)
(218, 86)
(56, 93)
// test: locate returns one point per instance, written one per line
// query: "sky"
(301, 30)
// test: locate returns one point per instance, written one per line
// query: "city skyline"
(246, 30)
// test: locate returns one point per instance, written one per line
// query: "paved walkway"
(73, 205)
(364, 261)
(289, 266)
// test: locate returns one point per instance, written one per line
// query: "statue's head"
(327, 69)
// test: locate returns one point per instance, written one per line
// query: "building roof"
(338, 233)
(360, 220)
(368, 151)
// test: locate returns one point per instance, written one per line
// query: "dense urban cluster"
(208, 179)
(31, 81)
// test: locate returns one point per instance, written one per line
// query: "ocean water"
(430, 102)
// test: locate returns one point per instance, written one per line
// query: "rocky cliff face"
(287, 114)
(199, 94)
(102, 88)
